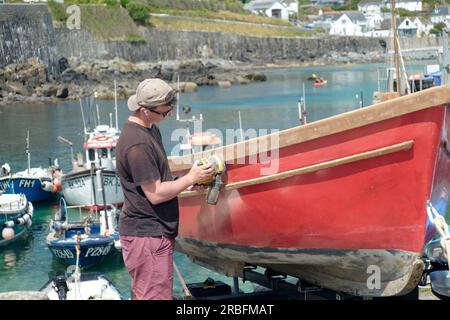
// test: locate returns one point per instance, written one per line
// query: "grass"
(135, 38)
(58, 11)
(165, 23)
(109, 23)
(223, 15)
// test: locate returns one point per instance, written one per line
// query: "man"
(148, 223)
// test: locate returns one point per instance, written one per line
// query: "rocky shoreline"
(31, 82)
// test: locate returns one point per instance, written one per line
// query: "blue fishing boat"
(16, 214)
(37, 184)
(93, 238)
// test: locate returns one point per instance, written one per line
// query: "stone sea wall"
(179, 45)
(26, 31)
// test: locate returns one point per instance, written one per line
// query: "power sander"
(214, 182)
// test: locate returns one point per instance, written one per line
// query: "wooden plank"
(406, 145)
(433, 97)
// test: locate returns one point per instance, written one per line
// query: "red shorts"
(149, 260)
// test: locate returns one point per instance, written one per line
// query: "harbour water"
(266, 105)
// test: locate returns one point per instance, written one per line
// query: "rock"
(242, 80)
(47, 91)
(63, 64)
(256, 77)
(189, 87)
(17, 88)
(62, 93)
(224, 84)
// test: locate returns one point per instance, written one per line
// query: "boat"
(79, 186)
(95, 238)
(335, 202)
(86, 286)
(16, 214)
(320, 82)
(38, 184)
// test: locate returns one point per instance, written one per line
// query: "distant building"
(410, 5)
(336, 3)
(371, 6)
(374, 20)
(440, 14)
(280, 9)
(349, 24)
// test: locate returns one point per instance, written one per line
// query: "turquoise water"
(268, 105)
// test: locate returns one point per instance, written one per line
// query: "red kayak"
(349, 196)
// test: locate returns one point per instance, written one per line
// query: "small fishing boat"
(79, 187)
(90, 286)
(38, 184)
(16, 214)
(320, 82)
(96, 238)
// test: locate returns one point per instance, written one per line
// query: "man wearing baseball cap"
(148, 222)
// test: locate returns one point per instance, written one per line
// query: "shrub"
(111, 3)
(58, 11)
(138, 12)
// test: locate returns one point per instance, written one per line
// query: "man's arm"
(158, 192)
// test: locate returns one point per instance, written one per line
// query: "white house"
(410, 5)
(440, 14)
(374, 20)
(292, 7)
(407, 28)
(273, 8)
(349, 24)
(371, 6)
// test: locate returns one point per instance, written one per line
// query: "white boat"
(80, 186)
(16, 214)
(92, 286)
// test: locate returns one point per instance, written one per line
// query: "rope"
(187, 293)
(442, 228)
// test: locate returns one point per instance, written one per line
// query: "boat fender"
(5, 170)
(47, 186)
(60, 215)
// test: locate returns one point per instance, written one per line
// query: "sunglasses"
(164, 114)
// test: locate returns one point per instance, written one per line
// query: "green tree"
(138, 12)
(437, 28)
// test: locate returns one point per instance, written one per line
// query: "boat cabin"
(100, 148)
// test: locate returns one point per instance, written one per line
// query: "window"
(276, 13)
(103, 153)
(91, 153)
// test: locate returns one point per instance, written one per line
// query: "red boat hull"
(368, 194)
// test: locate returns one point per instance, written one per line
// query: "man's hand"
(199, 173)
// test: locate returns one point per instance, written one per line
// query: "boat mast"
(115, 105)
(178, 97)
(28, 150)
(395, 44)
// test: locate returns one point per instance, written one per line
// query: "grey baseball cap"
(151, 93)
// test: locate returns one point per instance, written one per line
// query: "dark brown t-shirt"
(141, 158)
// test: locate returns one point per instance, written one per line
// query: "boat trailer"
(274, 286)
